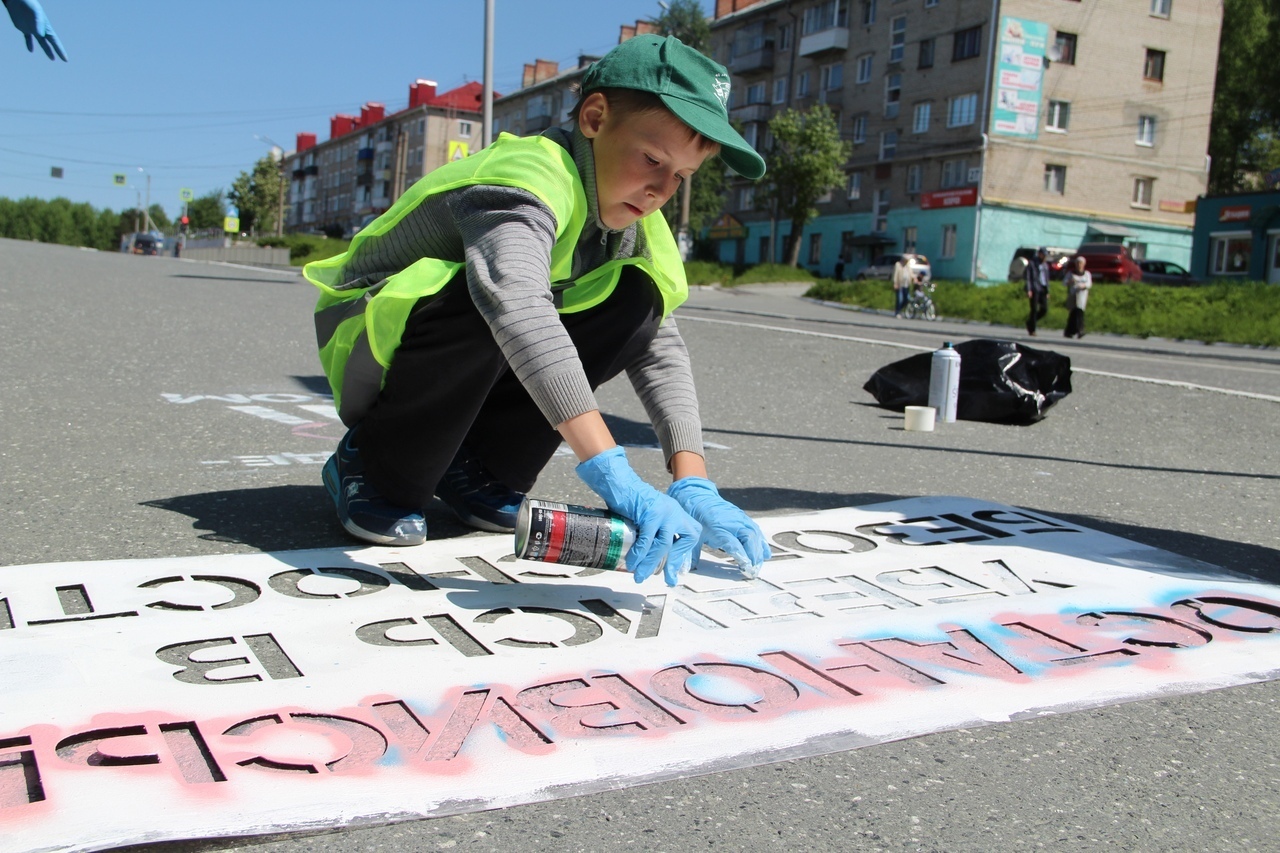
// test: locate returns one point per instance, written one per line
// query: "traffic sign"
(185, 194)
(119, 179)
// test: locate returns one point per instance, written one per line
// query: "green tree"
(1246, 103)
(685, 20)
(207, 211)
(257, 196)
(806, 160)
(159, 218)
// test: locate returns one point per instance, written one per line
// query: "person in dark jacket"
(1037, 282)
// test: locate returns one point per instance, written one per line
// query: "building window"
(802, 85)
(747, 198)
(948, 242)
(1161, 8)
(1230, 254)
(909, 238)
(824, 16)
(1058, 116)
(888, 144)
(868, 12)
(920, 118)
(854, 190)
(1065, 45)
(897, 38)
(833, 77)
(1142, 192)
(1146, 130)
(755, 93)
(815, 249)
(967, 44)
(784, 37)
(1153, 68)
(913, 178)
(929, 4)
(955, 173)
(780, 90)
(864, 68)
(882, 210)
(1055, 179)
(962, 110)
(750, 132)
(892, 94)
(926, 53)
(860, 129)
(1137, 251)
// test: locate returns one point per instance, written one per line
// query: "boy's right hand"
(663, 528)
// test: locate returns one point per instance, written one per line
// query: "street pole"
(684, 239)
(487, 115)
(147, 210)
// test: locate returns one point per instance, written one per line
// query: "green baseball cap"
(693, 86)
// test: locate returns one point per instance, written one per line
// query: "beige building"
(371, 158)
(979, 126)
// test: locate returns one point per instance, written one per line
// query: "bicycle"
(920, 304)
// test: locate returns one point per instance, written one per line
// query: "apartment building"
(371, 158)
(979, 126)
(547, 94)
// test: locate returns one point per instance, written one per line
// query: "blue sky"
(180, 89)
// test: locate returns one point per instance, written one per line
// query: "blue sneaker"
(478, 498)
(363, 512)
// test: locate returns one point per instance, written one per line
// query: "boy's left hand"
(724, 526)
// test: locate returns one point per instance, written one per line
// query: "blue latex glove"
(724, 526)
(28, 17)
(663, 529)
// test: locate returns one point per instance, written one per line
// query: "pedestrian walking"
(1078, 281)
(1037, 284)
(465, 330)
(903, 279)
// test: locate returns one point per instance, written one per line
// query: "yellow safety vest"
(359, 325)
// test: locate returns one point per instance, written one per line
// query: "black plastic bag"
(1000, 382)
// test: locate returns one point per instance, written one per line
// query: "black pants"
(450, 384)
(1039, 306)
(1075, 323)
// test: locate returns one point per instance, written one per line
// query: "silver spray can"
(573, 535)
(944, 382)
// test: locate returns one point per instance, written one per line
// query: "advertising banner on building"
(228, 695)
(1019, 77)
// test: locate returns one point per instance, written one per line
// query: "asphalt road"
(156, 407)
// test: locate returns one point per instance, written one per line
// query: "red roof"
(468, 96)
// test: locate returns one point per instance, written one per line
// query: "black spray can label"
(573, 535)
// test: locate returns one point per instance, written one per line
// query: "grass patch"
(1227, 312)
(305, 248)
(771, 273)
(707, 272)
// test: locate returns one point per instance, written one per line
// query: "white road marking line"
(1170, 382)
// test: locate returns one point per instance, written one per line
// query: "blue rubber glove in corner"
(663, 529)
(724, 526)
(29, 18)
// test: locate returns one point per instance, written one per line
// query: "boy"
(465, 330)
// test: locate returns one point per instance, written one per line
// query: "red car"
(1109, 262)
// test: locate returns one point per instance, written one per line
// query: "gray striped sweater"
(505, 235)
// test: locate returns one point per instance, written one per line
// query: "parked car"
(1165, 272)
(1058, 258)
(882, 267)
(146, 244)
(1110, 262)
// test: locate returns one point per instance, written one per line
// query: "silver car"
(882, 267)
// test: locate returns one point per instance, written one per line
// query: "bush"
(707, 272)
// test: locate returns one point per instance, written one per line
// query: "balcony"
(834, 38)
(536, 124)
(759, 59)
(750, 112)
(364, 154)
(365, 179)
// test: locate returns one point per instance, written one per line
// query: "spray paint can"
(944, 382)
(573, 535)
